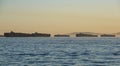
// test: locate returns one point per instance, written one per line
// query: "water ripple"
(60, 52)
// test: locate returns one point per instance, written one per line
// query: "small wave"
(102, 62)
(34, 62)
(72, 54)
(86, 60)
(1, 49)
(94, 65)
(85, 53)
(23, 54)
(68, 64)
(30, 54)
(116, 53)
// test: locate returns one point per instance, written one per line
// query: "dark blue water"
(59, 51)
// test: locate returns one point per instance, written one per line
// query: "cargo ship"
(58, 35)
(85, 35)
(1, 36)
(107, 35)
(13, 34)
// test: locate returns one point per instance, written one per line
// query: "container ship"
(107, 35)
(13, 34)
(1, 36)
(61, 35)
(85, 35)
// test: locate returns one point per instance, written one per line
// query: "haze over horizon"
(60, 16)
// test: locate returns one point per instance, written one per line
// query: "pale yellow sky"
(60, 16)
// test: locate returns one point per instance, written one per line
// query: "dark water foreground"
(59, 51)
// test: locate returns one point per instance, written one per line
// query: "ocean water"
(59, 51)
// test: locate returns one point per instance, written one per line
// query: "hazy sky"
(60, 16)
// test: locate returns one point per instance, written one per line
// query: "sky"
(60, 16)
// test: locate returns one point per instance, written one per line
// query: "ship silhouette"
(61, 35)
(77, 34)
(13, 34)
(107, 35)
(85, 35)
